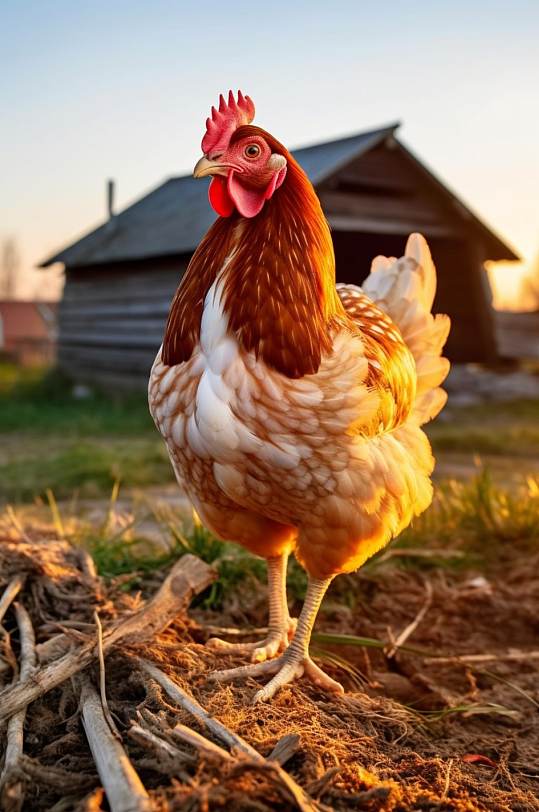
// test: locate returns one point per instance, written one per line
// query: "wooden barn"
(121, 277)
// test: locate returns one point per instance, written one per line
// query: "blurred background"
(406, 117)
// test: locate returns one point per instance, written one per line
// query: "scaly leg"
(296, 660)
(281, 626)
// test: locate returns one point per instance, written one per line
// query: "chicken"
(291, 406)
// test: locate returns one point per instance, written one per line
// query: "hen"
(291, 406)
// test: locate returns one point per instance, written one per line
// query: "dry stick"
(285, 748)
(221, 732)
(53, 647)
(66, 624)
(205, 746)
(10, 593)
(190, 704)
(410, 629)
(217, 631)
(124, 789)
(447, 777)
(146, 737)
(102, 683)
(163, 749)
(412, 552)
(15, 735)
(188, 577)
(515, 656)
(87, 564)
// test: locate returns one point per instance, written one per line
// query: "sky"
(92, 90)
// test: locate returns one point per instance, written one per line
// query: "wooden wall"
(382, 192)
(112, 318)
(517, 335)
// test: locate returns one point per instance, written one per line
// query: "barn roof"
(173, 218)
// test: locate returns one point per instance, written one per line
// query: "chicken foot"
(281, 626)
(296, 660)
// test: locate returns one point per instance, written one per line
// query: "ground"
(445, 721)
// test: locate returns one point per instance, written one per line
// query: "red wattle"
(249, 201)
(220, 200)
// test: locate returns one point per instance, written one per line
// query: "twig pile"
(68, 655)
(105, 698)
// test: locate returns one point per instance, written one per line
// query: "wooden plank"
(129, 309)
(93, 325)
(393, 227)
(102, 294)
(115, 271)
(383, 207)
(520, 322)
(368, 182)
(111, 339)
(517, 335)
(129, 357)
(76, 291)
(482, 296)
(117, 283)
(124, 280)
(109, 363)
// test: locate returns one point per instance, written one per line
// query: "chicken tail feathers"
(405, 288)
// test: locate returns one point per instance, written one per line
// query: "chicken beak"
(205, 167)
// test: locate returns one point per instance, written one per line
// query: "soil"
(412, 732)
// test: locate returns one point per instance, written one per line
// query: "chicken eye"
(252, 151)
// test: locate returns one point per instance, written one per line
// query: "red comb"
(225, 120)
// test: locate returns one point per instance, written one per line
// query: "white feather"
(405, 290)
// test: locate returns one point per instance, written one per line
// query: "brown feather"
(183, 325)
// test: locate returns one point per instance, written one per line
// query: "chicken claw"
(286, 668)
(275, 642)
(281, 626)
(296, 660)
(292, 668)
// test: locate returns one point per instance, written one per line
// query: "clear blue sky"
(90, 90)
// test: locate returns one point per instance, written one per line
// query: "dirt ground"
(420, 729)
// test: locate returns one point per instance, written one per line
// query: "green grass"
(88, 467)
(50, 439)
(37, 400)
(469, 514)
(498, 429)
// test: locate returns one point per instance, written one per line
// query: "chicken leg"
(281, 626)
(296, 660)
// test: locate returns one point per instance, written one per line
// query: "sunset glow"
(506, 283)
